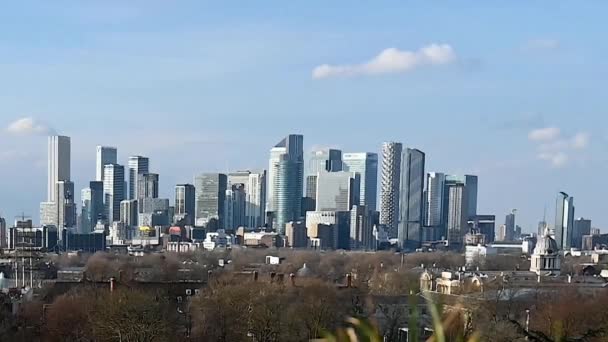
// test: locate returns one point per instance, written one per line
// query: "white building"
(105, 155)
(390, 183)
(546, 257)
(58, 163)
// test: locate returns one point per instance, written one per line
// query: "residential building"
(390, 185)
(105, 155)
(210, 197)
(113, 191)
(564, 220)
(138, 165)
(286, 181)
(366, 165)
(185, 204)
(337, 191)
(411, 199)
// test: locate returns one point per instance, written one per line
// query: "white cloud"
(544, 134)
(391, 60)
(544, 44)
(553, 147)
(29, 126)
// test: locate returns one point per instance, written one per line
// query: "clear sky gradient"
(512, 91)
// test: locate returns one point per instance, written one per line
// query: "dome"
(546, 245)
(304, 272)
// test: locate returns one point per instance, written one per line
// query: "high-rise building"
(286, 180)
(389, 187)
(510, 227)
(361, 229)
(185, 204)
(337, 191)
(105, 155)
(58, 163)
(296, 235)
(581, 227)
(147, 185)
(138, 165)
(128, 213)
(66, 208)
(564, 220)
(234, 207)
(411, 199)
(595, 231)
(3, 233)
(327, 160)
(366, 165)
(484, 224)
(255, 192)
(210, 196)
(113, 191)
(470, 183)
(434, 199)
(457, 222)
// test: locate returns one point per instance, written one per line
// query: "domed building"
(546, 258)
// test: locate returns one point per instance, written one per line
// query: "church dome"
(546, 245)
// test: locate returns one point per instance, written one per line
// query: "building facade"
(337, 191)
(185, 204)
(113, 191)
(457, 222)
(564, 220)
(581, 227)
(390, 185)
(147, 185)
(105, 155)
(210, 196)
(366, 165)
(411, 199)
(138, 165)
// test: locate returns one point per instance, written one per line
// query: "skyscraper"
(366, 165)
(105, 155)
(457, 222)
(337, 191)
(510, 227)
(210, 198)
(564, 220)
(255, 192)
(326, 160)
(286, 180)
(3, 233)
(113, 191)
(92, 206)
(58, 163)
(389, 190)
(185, 204)
(361, 228)
(138, 165)
(471, 184)
(235, 204)
(434, 207)
(66, 208)
(411, 199)
(147, 185)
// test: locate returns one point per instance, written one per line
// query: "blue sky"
(516, 96)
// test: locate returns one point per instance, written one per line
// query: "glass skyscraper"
(411, 196)
(210, 197)
(138, 165)
(113, 190)
(366, 165)
(564, 220)
(105, 155)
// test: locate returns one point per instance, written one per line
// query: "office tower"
(470, 183)
(484, 224)
(286, 180)
(128, 213)
(255, 190)
(411, 199)
(105, 155)
(235, 204)
(138, 165)
(66, 208)
(150, 205)
(3, 233)
(327, 160)
(457, 221)
(581, 227)
(564, 220)
(92, 206)
(113, 191)
(337, 191)
(389, 187)
(210, 196)
(58, 163)
(147, 185)
(501, 235)
(510, 227)
(366, 165)
(435, 206)
(185, 204)
(361, 229)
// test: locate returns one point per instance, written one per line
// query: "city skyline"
(513, 107)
